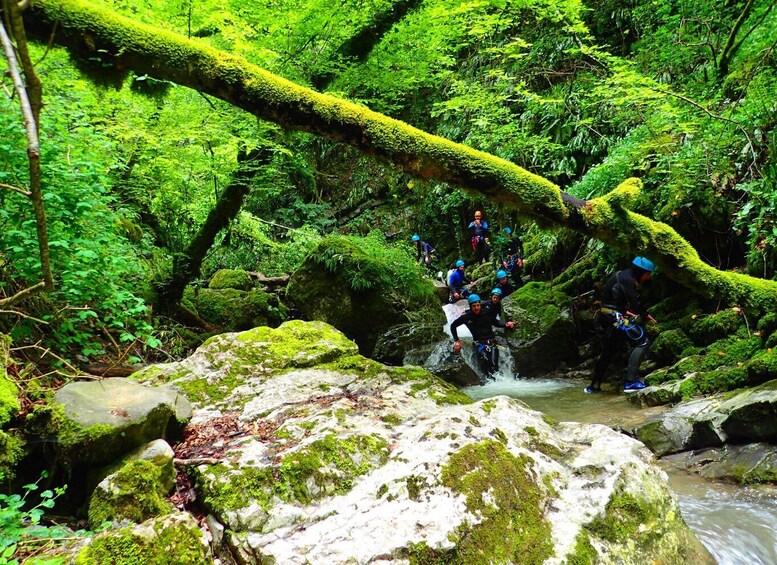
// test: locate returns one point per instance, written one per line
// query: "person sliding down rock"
(457, 279)
(480, 322)
(618, 316)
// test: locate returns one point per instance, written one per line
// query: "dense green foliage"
(583, 93)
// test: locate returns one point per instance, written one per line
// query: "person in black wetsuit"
(619, 310)
(480, 322)
(423, 252)
(511, 255)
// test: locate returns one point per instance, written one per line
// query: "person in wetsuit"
(503, 284)
(478, 229)
(423, 252)
(511, 255)
(480, 322)
(457, 280)
(620, 308)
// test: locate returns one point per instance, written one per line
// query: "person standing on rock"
(618, 313)
(511, 255)
(423, 252)
(478, 232)
(480, 322)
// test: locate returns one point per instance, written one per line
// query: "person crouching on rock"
(480, 322)
(457, 280)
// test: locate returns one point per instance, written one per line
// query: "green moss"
(512, 527)
(670, 344)
(392, 419)
(714, 327)
(228, 278)
(622, 519)
(333, 463)
(762, 367)
(12, 449)
(584, 553)
(9, 401)
(381, 491)
(137, 493)
(415, 486)
(178, 542)
(487, 406)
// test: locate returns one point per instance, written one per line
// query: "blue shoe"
(633, 387)
(590, 390)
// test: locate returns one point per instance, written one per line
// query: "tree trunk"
(90, 31)
(186, 265)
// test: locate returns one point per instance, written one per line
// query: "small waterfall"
(506, 370)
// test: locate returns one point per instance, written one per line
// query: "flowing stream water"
(737, 524)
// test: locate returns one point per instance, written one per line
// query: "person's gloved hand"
(510, 325)
(456, 296)
(457, 346)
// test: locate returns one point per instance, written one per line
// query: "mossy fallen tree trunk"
(89, 32)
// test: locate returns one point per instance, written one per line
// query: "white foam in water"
(517, 388)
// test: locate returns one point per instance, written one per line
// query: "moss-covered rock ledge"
(334, 458)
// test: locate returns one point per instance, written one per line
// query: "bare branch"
(23, 315)
(16, 189)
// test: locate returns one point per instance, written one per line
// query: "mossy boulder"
(335, 458)
(545, 333)
(690, 425)
(174, 538)
(157, 452)
(229, 278)
(751, 415)
(706, 329)
(134, 493)
(363, 287)
(96, 422)
(235, 310)
(669, 346)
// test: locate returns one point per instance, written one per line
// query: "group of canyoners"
(619, 313)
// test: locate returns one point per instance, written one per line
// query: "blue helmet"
(501, 274)
(508, 231)
(416, 237)
(459, 263)
(497, 291)
(472, 298)
(644, 263)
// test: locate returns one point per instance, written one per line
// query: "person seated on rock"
(511, 255)
(618, 314)
(423, 252)
(457, 281)
(503, 283)
(478, 233)
(480, 322)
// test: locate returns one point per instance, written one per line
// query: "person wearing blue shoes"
(618, 315)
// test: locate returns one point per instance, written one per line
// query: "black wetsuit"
(481, 327)
(506, 288)
(424, 251)
(619, 296)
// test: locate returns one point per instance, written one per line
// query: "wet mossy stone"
(236, 310)
(751, 415)
(96, 422)
(763, 367)
(135, 493)
(394, 344)
(174, 538)
(228, 278)
(363, 287)
(745, 464)
(545, 332)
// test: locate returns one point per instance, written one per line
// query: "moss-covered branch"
(91, 31)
